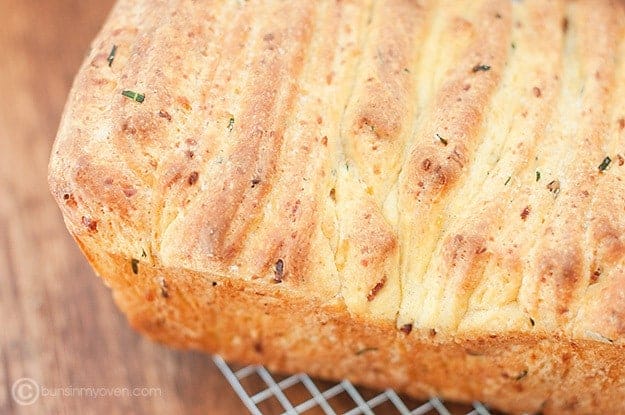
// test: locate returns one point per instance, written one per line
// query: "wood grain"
(60, 326)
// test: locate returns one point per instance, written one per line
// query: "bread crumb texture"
(449, 170)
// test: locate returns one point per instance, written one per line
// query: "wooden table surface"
(59, 324)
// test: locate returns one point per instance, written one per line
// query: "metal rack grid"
(320, 400)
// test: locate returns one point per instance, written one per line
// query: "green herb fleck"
(507, 181)
(605, 163)
(231, 124)
(111, 57)
(481, 68)
(143, 254)
(537, 176)
(521, 375)
(442, 140)
(365, 350)
(134, 264)
(135, 96)
(406, 70)
(513, 45)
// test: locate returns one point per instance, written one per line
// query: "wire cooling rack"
(257, 388)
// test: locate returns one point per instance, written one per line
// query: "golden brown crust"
(370, 172)
(252, 322)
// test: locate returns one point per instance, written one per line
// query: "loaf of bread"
(423, 195)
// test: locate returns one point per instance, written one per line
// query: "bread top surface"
(440, 164)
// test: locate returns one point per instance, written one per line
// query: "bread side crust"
(255, 323)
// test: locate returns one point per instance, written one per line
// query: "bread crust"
(409, 194)
(256, 323)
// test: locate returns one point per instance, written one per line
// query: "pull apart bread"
(423, 195)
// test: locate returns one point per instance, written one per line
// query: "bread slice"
(423, 195)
